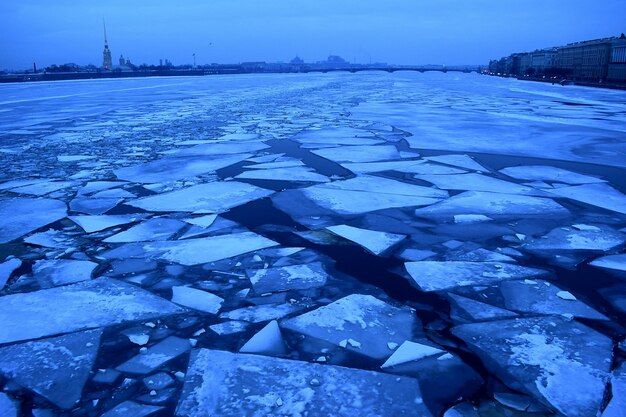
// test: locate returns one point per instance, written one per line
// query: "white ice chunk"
(264, 386)
(93, 206)
(361, 153)
(436, 276)
(548, 173)
(615, 262)
(374, 241)
(229, 327)
(493, 204)
(214, 197)
(150, 230)
(542, 356)
(284, 174)
(599, 195)
(62, 271)
(92, 224)
(156, 356)
(7, 268)
(23, 215)
(197, 299)
(85, 305)
(463, 161)
(202, 221)
(55, 368)
(471, 218)
(364, 318)
(131, 408)
(410, 351)
(291, 277)
(268, 341)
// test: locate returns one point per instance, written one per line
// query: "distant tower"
(107, 62)
(122, 60)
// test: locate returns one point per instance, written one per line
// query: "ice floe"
(267, 341)
(363, 153)
(284, 174)
(170, 169)
(437, 276)
(56, 368)
(285, 278)
(542, 297)
(374, 241)
(370, 322)
(85, 305)
(42, 188)
(7, 268)
(475, 182)
(24, 215)
(92, 224)
(150, 230)
(197, 299)
(213, 197)
(542, 356)
(252, 384)
(571, 239)
(156, 356)
(599, 195)
(614, 262)
(465, 309)
(463, 161)
(548, 173)
(194, 251)
(410, 351)
(51, 273)
(493, 204)
(616, 407)
(131, 408)
(93, 206)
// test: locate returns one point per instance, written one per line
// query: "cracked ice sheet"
(599, 195)
(86, 305)
(437, 276)
(548, 173)
(222, 148)
(171, 169)
(55, 368)
(284, 174)
(493, 204)
(150, 230)
(24, 215)
(374, 241)
(214, 197)
(475, 182)
(362, 153)
(542, 356)
(62, 271)
(193, 251)
(236, 384)
(463, 161)
(363, 318)
(42, 188)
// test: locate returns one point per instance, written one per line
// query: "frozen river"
(363, 244)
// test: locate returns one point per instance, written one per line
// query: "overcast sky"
(231, 31)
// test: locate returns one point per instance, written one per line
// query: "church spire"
(107, 62)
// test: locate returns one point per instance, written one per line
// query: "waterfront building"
(617, 65)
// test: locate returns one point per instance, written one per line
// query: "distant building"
(122, 60)
(107, 62)
(594, 60)
(297, 61)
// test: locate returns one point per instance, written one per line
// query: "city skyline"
(449, 32)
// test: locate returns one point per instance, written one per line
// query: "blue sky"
(230, 31)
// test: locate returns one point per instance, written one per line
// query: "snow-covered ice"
(372, 240)
(267, 341)
(24, 215)
(410, 351)
(258, 385)
(548, 173)
(363, 318)
(285, 278)
(85, 305)
(149, 230)
(92, 224)
(156, 356)
(197, 299)
(599, 195)
(62, 271)
(437, 276)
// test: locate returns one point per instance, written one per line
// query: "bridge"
(392, 69)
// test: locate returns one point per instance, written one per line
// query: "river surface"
(458, 235)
